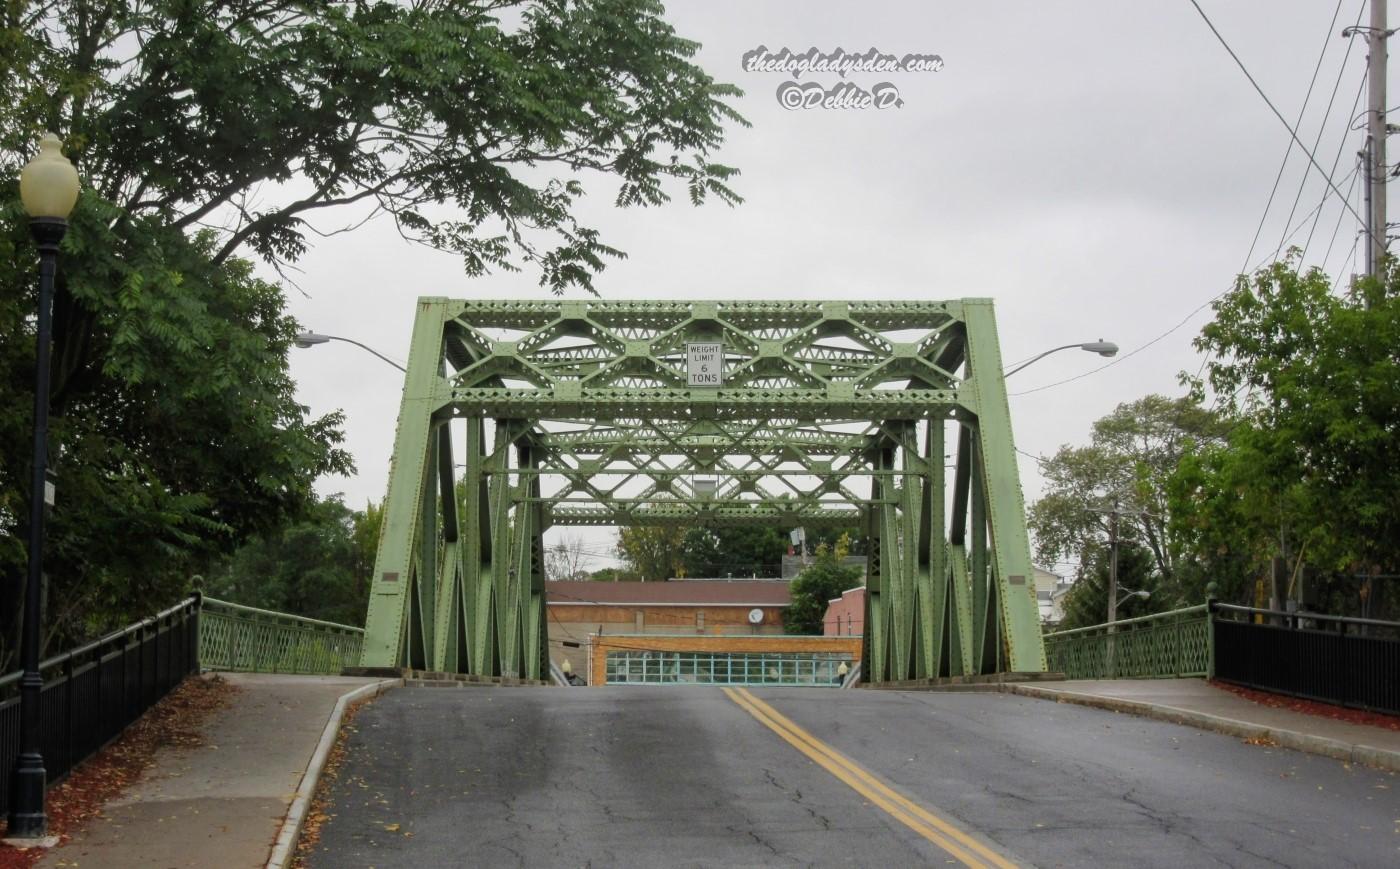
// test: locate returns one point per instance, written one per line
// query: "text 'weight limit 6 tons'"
(704, 363)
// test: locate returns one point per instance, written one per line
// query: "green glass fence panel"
(246, 639)
(814, 669)
(1166, 645)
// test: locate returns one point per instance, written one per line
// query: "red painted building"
(845, 616)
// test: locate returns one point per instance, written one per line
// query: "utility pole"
(1376, 131)
(1113, 566)
(1114, 515)
(1112, 584)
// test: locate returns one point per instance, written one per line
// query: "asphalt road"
(656, 776)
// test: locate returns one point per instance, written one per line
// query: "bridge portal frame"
(830, 414)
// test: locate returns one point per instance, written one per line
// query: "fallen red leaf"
(177, 719)
(1312, 707)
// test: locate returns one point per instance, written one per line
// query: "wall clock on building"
(755, 616)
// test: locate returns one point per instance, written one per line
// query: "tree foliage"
(1086, 602)
(748, 551)
(1132, 454)
(209, 130)
(472, 124)
(816, 586)
(1311, 469)
(317, 566)
(652, 553)
(612, 574)
(175, 432)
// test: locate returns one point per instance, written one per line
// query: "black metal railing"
(91, 693)
(1347, 661)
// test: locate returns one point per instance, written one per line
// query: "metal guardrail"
(91, 693)
(1161, 646)
(1350, 661)
(251, 640)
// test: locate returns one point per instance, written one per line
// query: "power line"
(1272, 108)
(1288, 152)
(1341, 146)
(1340, 215)
(1302, 184)
(1124, 357)
(1350, 255)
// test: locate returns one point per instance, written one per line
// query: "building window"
(699, 621)
(810, 669)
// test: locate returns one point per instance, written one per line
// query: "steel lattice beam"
(580, 413)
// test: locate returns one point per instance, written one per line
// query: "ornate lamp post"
(49, 188)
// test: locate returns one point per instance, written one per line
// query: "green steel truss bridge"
(521, 415)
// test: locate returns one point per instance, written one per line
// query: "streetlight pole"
(1112, 586)
(1101, 347)
(49, 189)
(311, 339)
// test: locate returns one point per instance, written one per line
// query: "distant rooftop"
(690, 592)
(726, 579)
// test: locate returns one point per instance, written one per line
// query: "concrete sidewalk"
(220, 805)
(1197, 703)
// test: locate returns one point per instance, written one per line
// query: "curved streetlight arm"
(310, 339)
(1101, 347)
(1037, 358)
(1132, 594)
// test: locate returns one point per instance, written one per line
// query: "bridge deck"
(699, 776)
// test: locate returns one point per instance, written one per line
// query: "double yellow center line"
(937, 830)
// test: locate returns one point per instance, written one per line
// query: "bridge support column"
(1009, 555)
(398, 626)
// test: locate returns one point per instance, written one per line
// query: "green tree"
(755, 550)
(816, 586)
(613, 574)
(1311, 471)
(261, 116)
(651, 552)
(855, 540)
(702, 553)
(1132, 454)
(207, 130)
(313, 567)
(367, 524)
(175, 429)
(1086, 602)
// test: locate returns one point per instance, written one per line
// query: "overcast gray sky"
(1098, 168)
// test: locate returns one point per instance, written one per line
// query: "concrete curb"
(1367, 755)
(285, 845)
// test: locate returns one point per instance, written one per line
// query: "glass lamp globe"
(48, 185)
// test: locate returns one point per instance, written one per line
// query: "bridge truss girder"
(517, 416)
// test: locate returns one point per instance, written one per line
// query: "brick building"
(845, 616)
(693, 607)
